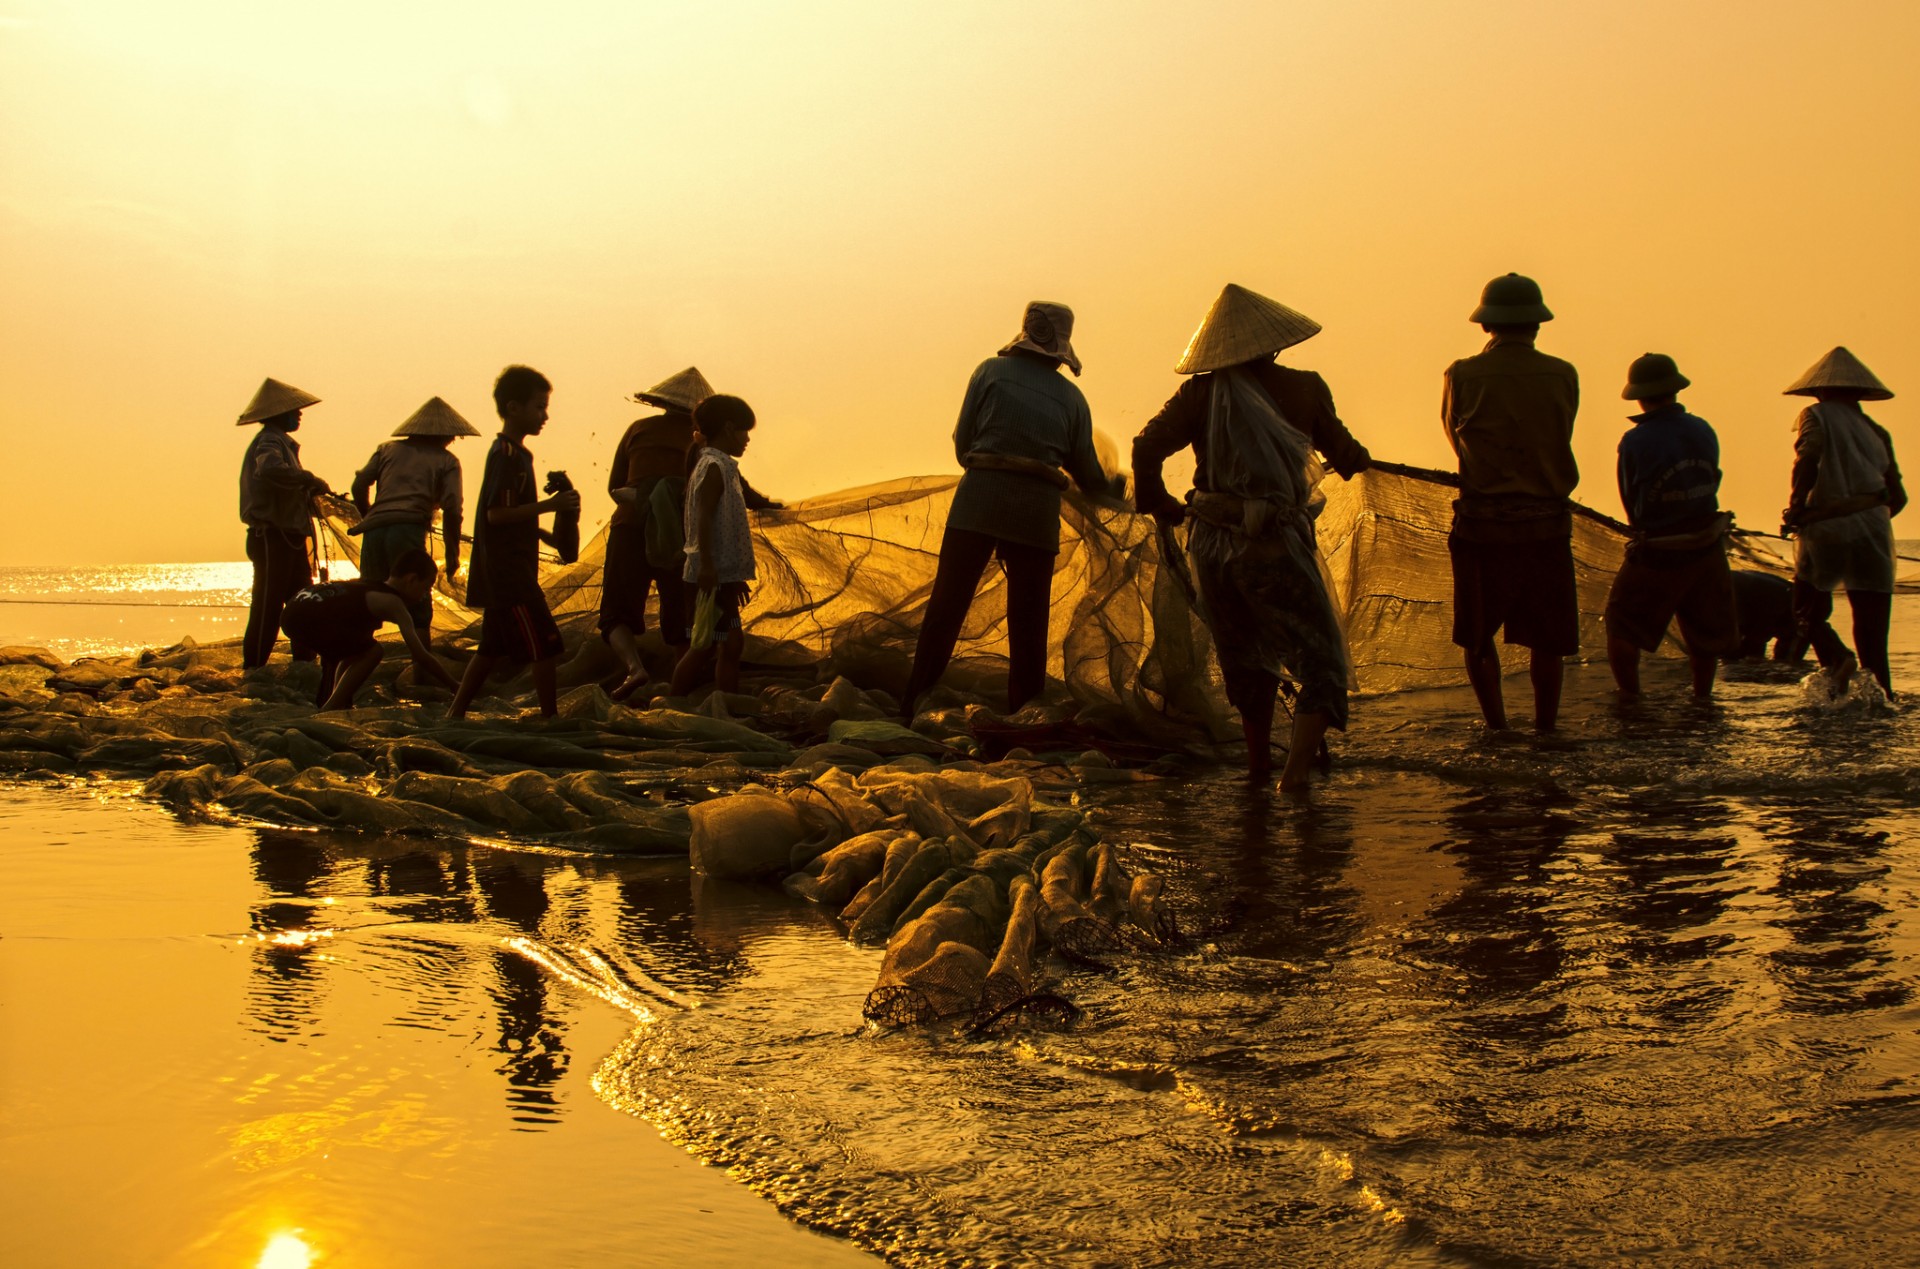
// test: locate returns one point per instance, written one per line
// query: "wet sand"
(215, 1038)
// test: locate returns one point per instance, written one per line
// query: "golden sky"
(836, 210)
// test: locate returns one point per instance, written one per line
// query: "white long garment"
(1855, 550)
(732, 545)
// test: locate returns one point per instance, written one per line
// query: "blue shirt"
(1023, 407)
(1669, 471)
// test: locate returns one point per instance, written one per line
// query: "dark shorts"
(626, 579)
(1653, 587)
(520, 632)
(332, 640)
(1527, 587)
(730, 597)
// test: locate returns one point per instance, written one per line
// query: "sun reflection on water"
(286, 1250)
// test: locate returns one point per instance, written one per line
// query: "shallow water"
(1646, 990)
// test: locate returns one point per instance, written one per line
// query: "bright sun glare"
(286, 1250)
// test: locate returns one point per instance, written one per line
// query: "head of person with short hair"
(412, 576)
(725, 422)
(521, 395)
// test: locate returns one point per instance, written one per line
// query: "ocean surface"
(1642, 991)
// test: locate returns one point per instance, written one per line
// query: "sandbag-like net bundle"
(845, 577)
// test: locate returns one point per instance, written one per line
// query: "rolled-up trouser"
(964, 555)
(1872, 617)
(380, 548)
(281, 568)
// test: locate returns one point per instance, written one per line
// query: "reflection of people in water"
(286, 983)
(531, 1032)
(1839, 958)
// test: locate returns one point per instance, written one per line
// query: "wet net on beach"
(845, 577)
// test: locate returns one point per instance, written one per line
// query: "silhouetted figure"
(515, 622)
(1254, 426)
(415, 475)
(719, 550)
(338, 620)
(1669, 472)
(646, 538)
(1508, 413)
(1020, 424)
(1846, 491)
(1765, 604)
(276, 504)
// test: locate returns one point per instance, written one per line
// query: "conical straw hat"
(274, 399)
(436, 418)
(1840, 369)
(678, 392)
(1240, 326)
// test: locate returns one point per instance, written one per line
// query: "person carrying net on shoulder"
(1263, 589)
(719, 549)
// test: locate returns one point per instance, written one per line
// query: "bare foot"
(629, 685)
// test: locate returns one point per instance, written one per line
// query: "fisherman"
(645, 540)
(1765, 605)
(337, 620)
(719, 546)
(416, 475)
(505, 579)
(276, 503)
(1846, 491)
(1020, 424)
(1669, 471)
(1508, 413)
(1263, 588)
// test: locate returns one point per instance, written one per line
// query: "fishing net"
(845, 577)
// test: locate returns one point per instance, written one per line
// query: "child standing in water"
(719, 545)
(504, 584)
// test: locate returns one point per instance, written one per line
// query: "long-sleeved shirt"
(413, 481)
(275, 490)
(651, 449)
(1839, 453)
(1303, 400)
(1669, 472)
(1508, 413)
(1021, 406)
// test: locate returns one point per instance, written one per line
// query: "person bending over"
(504, 581)
(338, 619)
(719, 546)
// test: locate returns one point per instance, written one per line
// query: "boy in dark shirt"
(337, 620)
(1677, 561)
(503, 580)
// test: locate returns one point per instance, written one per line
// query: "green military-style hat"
(1511, 300)
(1653, 375)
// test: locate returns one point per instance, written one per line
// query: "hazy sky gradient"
(836, 210)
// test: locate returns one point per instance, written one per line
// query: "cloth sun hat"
(1653, 375)
(1240, 326)
(1840, 369)
(273, 400)
(677, 392)
(436, 418)
(1511, 300)
(1047, 329)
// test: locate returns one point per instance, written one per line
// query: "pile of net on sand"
(845, 577)
(966, 876)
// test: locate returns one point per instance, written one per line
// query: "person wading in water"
(1263, 589)
(1020, 424)
(276, 504)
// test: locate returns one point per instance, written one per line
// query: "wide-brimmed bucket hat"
(436, 418)
(1840, 369)
(1511, 300)
(1241, 326)
(1047, 329)
(677, 392)
(273, 400)
(1653, 375)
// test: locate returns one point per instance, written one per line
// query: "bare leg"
(1483, 671)
(1547, 672)
(1704, 668)
(1624, 658)
(350, 677)
(692, 665)
(471, 682)
(544, 686)
(726, 673)
(1308, 730)
(1256, 721)
(627, 648)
